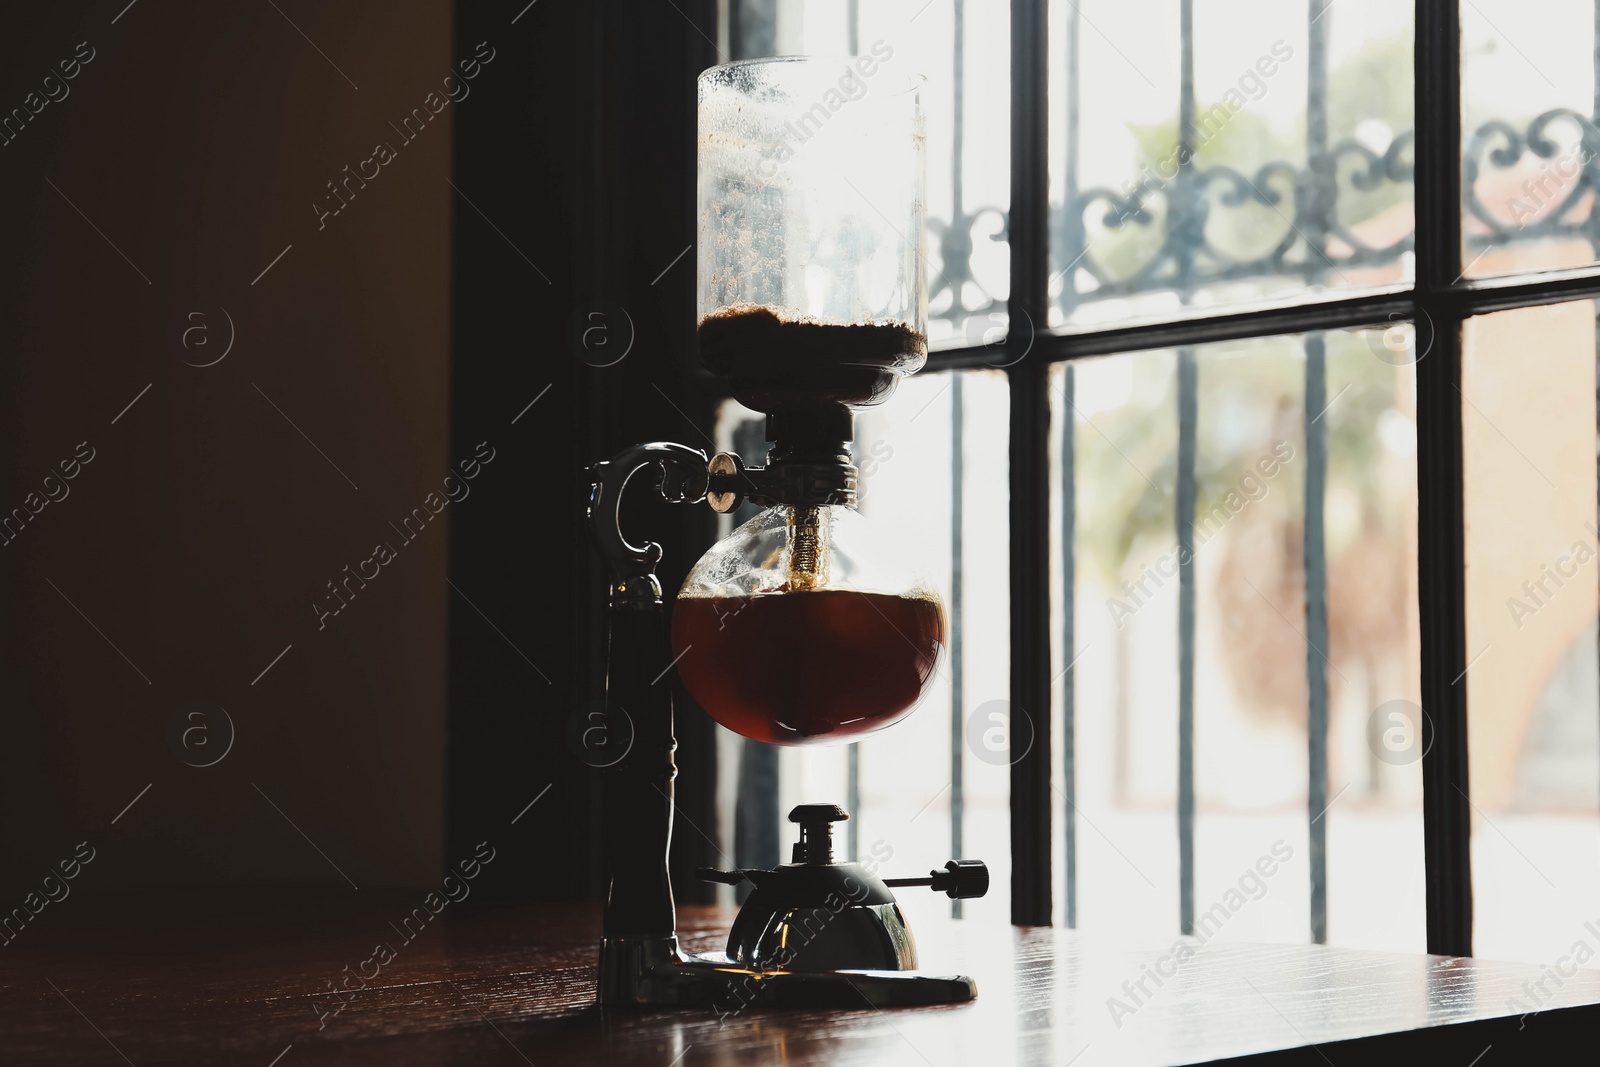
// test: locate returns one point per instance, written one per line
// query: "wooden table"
(216, 981)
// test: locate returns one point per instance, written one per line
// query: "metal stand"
(861, 953)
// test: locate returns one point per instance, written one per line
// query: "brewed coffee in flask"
(793, 636)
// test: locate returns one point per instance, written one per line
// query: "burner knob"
(818, 813)
(816, 831)
(961, 879)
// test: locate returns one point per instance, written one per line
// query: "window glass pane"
(964, 51)
(906, 789)
(1250, 463)
(907, 785)
(1297, 179)
(1123, 679)
(1528, 389)
(1528, 135)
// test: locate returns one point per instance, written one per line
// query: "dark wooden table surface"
(218, 983)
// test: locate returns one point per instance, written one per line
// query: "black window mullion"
(1441, 559)
(1380, 308)
(1343, 313)
(1029, 476)
(1486, 295)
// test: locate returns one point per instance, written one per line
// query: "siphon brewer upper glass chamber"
(811, 288)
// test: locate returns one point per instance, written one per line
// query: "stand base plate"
(652, 971)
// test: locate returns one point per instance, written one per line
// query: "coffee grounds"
(749, 337)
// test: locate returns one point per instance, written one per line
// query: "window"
(1278, 319)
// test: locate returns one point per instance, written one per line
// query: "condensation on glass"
(964, 50)
(810, 190)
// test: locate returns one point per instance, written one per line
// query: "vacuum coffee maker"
(795, 629)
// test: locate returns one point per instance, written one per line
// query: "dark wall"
(178, 591)
(184, 157)
(590, 151)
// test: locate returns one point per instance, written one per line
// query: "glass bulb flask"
(801, 628)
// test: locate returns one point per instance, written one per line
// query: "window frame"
(1440, 298)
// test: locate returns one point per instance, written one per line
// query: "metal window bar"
(1069, 574)
(958, 684)
(958, 696)
(1186, 197)
(1183, 511)
(1073, 245)
(852, 801)
(756, 816)
(1318, 222)
(1316, 590)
